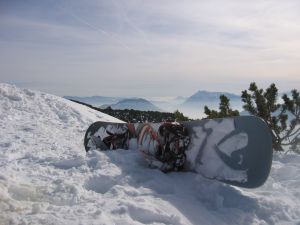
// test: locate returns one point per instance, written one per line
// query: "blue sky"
(149, 48)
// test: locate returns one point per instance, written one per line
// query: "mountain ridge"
(134, 103)
(209, 95)
(191, 106)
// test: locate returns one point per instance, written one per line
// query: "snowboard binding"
(116, 140)
(106, 136)
(172, 150)
(167, 145)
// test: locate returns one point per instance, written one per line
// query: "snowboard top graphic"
(236, 150)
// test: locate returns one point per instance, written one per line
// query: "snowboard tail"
(237, 151)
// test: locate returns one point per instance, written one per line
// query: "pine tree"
(264, 105)
(224, 107)
(179, 116)
(292, 134)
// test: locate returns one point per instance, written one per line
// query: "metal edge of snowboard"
(93, 128)
(258, 153)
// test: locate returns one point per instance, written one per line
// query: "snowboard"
(237, 150)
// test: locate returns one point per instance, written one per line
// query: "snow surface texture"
(47, 178)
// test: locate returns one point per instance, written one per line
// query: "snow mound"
(47, 178)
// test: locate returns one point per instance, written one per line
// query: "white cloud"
(143, 42)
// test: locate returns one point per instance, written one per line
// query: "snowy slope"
(47, 178)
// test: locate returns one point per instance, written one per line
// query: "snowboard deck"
(237, 150)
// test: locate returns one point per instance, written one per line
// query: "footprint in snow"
(100, 184)
(66, 164)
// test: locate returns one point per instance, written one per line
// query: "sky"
(149, 48)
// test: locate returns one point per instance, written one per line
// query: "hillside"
(46, 177)
(206, 97)
(134, 103)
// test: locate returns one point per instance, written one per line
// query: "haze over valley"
(192, 106)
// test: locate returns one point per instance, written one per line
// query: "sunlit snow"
(46, 177)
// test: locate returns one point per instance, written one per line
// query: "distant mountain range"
(192, 106)
(206, 97)
(134, 103)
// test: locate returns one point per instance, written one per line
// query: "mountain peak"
(209, 95)
(206, 97)
(135, 103)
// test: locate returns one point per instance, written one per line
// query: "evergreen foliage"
(264, 105)
(180, 117)
(138, 116)
(292, 106)
(224, 107)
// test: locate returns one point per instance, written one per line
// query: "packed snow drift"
(46, 177)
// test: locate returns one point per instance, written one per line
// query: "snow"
(47, 178)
